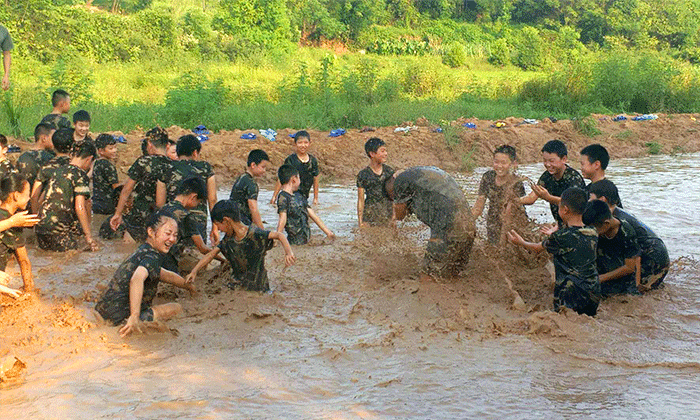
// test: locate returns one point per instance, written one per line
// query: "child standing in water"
(374, 207)
(306, 164)
(498, 186)
(244, 247)
(129, 295)
(14, 196)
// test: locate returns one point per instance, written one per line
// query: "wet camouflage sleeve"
(5, 39)
(314, 171)
(247, 258)
(296, 208)
(104, 176)
(10, 241)
(630, 248)
(486, 182)
(56, 120)
(57, 212)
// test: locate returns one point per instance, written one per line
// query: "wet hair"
(144, 147)
(508, 151)
(596, 152)
(286, 172)
(158, 219)
(555, 146)
(58, 96)
(62, 140)
(193, 185)
(14, 182)
(575, 199)
(225, 208)
(187, 145)
(158, 137)
(104, 140)
(42, 129)
(605, 188)
(256, 156)
(81, 115)
(3, 140)
(373, 144)
(84, 149)
(596, 213)
(300, 134)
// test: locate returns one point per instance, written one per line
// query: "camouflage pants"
(655, 266)
(568, 294)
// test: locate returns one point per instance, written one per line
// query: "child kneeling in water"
(244, 247)
(131, 291)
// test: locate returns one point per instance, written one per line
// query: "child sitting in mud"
(374, 207)
(655, 261)
(245, 189)
(294, 210)
(306, 164)
(129, 295)
(105, 180)
(500, 186)
(618, 257)
(573, 249)
(244, 247)
(62, 140)
(14, 196)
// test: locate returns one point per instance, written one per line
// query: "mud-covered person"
(500, 186)
(245, 189)
(60, 100)
(655, 262)
(573, 249)
(437, 200)
(14, 196)
(62, 140)
(143, 176)
(190, 193)
(6, 166)
(65, 212)
(30, 162)
(294, 210)
(245, 248)
(374, 207)
(306, 164)
(189, 164)
(129, 295)
(558, 177)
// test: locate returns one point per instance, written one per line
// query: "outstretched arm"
(201, 264)
(313, 216)
(288, 253)
(254, 213)
(529, 199)
(135, 295)
(516, 239)
(123, 198)
(203, 248)
(629, 267)
(25, 267)
(315, 203)
(81, 209)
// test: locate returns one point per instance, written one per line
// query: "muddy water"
(351, 333)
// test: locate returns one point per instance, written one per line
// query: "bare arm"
(6, 64)
(360, 205)
(516, 239)
(479, 206)
(175, 279)
(19, 219)
(282, 222)
(313, 216)
(82, 212)
(529, 199)
(135, 295)
(316, 190)
(36, 193)
(629, 267)
(288, 254)
(203, 248)
(211, 200)
(278, 187)
(123, 198)
(25, 267)
(202, 263)
(254, 213)
(161, 194)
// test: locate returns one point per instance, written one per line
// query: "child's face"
(588, 169)
(258, 169)
(82, 128)
(84, 163)
(502, 164)
(302, 145)
(171, 151)
(554, 164)
(225, 226)
(109, 152)
(165, 236)
(22, 197)
(381, 155)
(192, 201)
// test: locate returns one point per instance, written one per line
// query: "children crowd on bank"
(598, 249)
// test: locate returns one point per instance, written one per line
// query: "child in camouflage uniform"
(60, 100)
(30, 162)
(245, 189)
(306, 164)
(65, 212)
(81, 125)
(244, 247)
(294, 210)
(139, 276)
(105, 180)
(62, 140)
(374, 207)
(6, 166)
(573, 249)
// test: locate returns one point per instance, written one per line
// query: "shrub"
(500, 53)
(193, 99)
(454, 55)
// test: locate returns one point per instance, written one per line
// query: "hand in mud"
(331, 236)
(92, 245)
(115, 221)
(9, 291)
(190, 288)
(540, 191)
(189, 279)
(24, 219)
(289, 259)
(132, 324)
(364, 225)
(548, 230)
(515, 238)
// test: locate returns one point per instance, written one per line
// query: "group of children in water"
(597, 248)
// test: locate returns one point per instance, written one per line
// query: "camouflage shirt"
(573, 250)
(433, 196)
(104, 176)
(10, 240)
(296, 207)
(114, 304)
(184, 169)
(6, 168)
(612, 253)
(147, 171)
(247, 258)
(56, 120)
(653, 250)
(378, 205)
(307, 171)
(244, 188)
(186, 227)
(57, 212)
(30, 162)
(47, 171)
(571, 178)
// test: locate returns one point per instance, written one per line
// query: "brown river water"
(351, 333)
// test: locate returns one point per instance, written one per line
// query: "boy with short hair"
(65, 212)
(81, 123)
(189, 194)
(293, 209)
(143, 174)
(306, 164)
(60, 100)
(558, 177)
(245, 189)
(655, 262)
(618, 253)
(6, 166)
(105, 180)
(244, 247)
(62, 140)
(374, 207)
(573, 249)
(30, 162)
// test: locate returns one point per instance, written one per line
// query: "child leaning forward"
(244, 247)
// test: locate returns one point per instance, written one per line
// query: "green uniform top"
(10, 240)
(378, 205)
(247, 258)
(307, 171)
(57, 212)
(56, 120)
(147, 171)
(297, 209)
(244, 188)
(104, 176)
(573, 252)
(612, 253)
(6, 168)
(184, 169)
(30, 162)
(48, 170)
(5, 39)
(571, 178)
